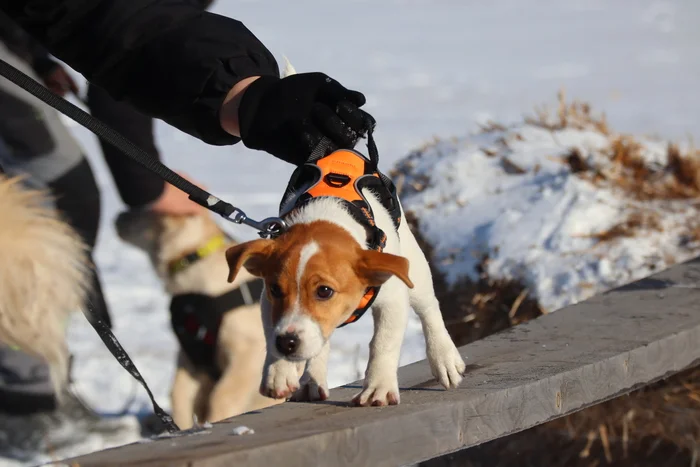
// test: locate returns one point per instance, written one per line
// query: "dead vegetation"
(679, 178)
(575, 115)
(635, 221)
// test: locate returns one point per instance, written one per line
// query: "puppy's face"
(315, 277)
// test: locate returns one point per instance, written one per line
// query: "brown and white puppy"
(43, 276)
(240, 346)
(315, 276)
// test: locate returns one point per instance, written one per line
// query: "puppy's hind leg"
(390, 313)
(446, 363)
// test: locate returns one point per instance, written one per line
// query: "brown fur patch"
(340, 264)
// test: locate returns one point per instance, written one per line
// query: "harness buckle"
(270, 227)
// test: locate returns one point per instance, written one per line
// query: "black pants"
(136, 185)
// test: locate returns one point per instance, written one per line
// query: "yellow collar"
(214, 244)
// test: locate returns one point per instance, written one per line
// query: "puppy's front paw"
(446, 363)
(311, 391)
(280, 380)
(378, 393)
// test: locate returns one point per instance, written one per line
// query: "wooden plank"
(524, 376)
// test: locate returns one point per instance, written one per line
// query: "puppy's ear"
(250, 255)
(376, 268)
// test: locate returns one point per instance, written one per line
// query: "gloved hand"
(288, 117)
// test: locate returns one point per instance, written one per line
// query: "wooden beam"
(544, 369)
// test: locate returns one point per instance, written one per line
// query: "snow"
(427, 67)
(539, 227)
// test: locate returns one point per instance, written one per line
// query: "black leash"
(267, 227)
(116, 349)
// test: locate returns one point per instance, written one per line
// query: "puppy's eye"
(275, 290)
(324, 292)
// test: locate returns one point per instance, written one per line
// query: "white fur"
(311, 339)
(306, 253)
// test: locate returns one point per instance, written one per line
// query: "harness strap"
(196, 320)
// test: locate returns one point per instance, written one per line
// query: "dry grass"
(678, 179)
(647, 220)
(575, 115)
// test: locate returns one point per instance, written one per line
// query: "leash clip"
(270, 227)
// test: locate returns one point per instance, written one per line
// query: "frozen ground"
(428, 67)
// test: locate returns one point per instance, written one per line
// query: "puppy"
(316, 275)
(43, 276)
(238, 348)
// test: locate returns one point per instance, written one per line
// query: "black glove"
(288, 117)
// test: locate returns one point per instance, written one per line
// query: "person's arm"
(135, 51)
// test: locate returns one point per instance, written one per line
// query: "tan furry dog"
(43, 276)
(187, 253)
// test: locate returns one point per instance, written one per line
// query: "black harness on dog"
(196, 318)
(343, 174)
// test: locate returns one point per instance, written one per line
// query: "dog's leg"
(184, 393)
(280, 377)
(446, 363)
(315, 380)
(390, 313)
(235, 390)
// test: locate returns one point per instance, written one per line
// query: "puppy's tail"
(43, 276)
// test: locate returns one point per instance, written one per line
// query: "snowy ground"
(509, 194)
(428, 67)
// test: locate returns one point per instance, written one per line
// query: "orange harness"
(344, 174)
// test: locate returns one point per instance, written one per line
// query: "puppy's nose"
(287, 343)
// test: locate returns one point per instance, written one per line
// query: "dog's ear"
(250, 255)
(376, 268)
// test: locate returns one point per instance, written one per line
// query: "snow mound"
(560, 204)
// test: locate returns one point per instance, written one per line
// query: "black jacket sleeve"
(168, 58)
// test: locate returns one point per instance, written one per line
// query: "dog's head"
(315, 276)
(164, 236)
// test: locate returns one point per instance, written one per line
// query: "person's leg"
(42, 148)
(137, 186)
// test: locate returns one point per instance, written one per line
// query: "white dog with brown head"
(317, 275)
